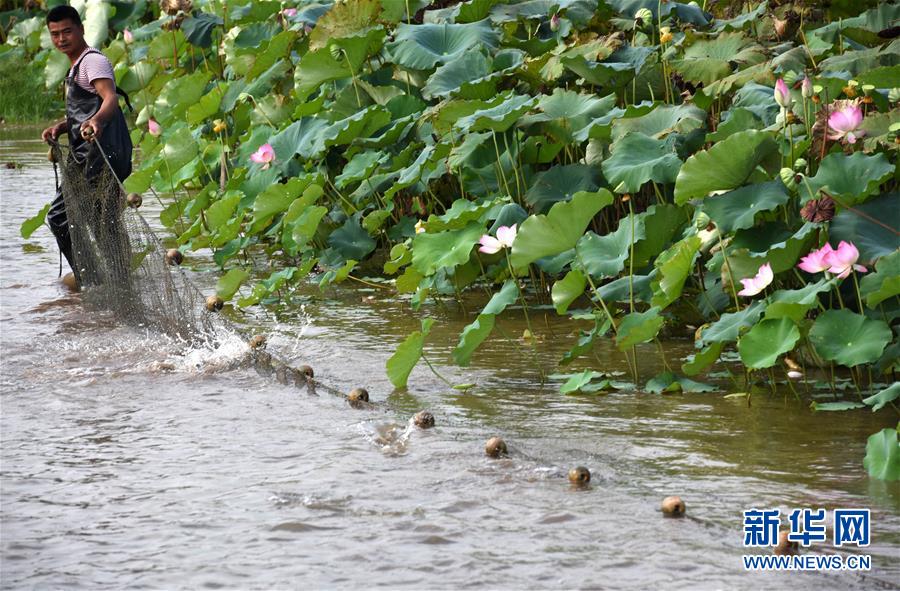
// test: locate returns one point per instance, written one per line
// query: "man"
(92, 117)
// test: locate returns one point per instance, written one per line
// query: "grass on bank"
(23, 96)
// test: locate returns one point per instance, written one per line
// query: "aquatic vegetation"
(635, 165)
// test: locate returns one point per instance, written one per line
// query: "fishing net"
(121, 264)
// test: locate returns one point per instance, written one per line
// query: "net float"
(784, 545)
(358, 397)
(257, 342)
(87, 133)
(134, 200)
(306, 371)
(51, 156)
(495, 447)
(214, 303)
(579, 475)
(673, 507)
(423, 419)
(173, 257)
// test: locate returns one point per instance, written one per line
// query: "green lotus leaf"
(662, 121)
(605, 256)
(670, 382)
(276, 199)
(736, 210)
(654, 230)
(198, 28)
(262, 85)
(359, 168)
(452, 76)
(475, 150)
(618, 69)
(567, 290)
(872, 227)
(689, 13)
(163, 47)
(302, 137)
(351, 240)
(222, 209)
(636, 159)
(559, 230)
(137, 76)
(471, 338)
(883, 455)
(849, 338)
(407, 355)
(836, 406)
(500, 116)
(230, 282)
(725, 166)
(178, 94)
(884, 283)
(674, 266)
(421, 47)
(565, 113)
(205, 108)
(179, 149)
(728, 327)
(884, 397)
(739, 119)
(444, 249)
(318, 67)
(33, 223)
(464, 12)
(781, 255)
(708, 60)
(560, 183)
(700, 362)
(852, 178)
(624, 289)
(795, 303)
(430, 158)
(460, 214)
(637, 328)
(761, 346)
(344, 19)
(361, 124)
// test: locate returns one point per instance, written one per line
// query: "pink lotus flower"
(843, 259)
(844, 123)
(126, 34)
(153, 127)
(817, 260)
(506, 235)
(754, 285)
(289, 12)
(783, 94)
(554, 22)
(264, 155)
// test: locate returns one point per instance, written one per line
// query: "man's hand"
(91, 129)
(54, 131)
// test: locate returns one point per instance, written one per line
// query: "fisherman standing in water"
(93, 117)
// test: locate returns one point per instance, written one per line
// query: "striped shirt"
(93, 66)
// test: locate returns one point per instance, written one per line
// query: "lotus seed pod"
(423, 419)
(787, 177)
(306, 371)
(257, 342)
(701, 221)
(894, 95)
(644, 15)
(134, 200)
(673, 507)
(174, 257)
(785, 546)
(495, 447)
(214, 303)
(358, 396)
(579, 476)
(51, 156)
(800, 165)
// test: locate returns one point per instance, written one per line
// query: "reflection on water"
(129, 460)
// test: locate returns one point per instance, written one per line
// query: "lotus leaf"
(421, 47)
(407, 355)
(849, 338)
(637, 328)
(852, 178)
(560, 183)
(884, 283)
(638, 158)
(737, 209)
(872, 227)
(883, 455)
(761, 346)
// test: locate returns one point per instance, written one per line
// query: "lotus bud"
(173, 257)
(781, 27)
(806, 88)
(782, 94)
(495, 447)
(128, 37)
(644, 15)
(554, 22)
(134, 200)
(787, 177)
(800, 165)
(673, 507)
(214, 303)
(579, 476)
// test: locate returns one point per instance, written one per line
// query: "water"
(129, 462)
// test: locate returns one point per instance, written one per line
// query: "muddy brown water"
(119, 471)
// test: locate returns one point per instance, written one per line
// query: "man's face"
(67, 36)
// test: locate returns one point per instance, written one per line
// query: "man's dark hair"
(61, 13)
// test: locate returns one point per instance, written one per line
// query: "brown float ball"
(579, 476)
(174, 257)
(423, 419)
(306, 370)
(134, 200)
(214, 303)
(87, 133)
(673, 507)
(51, 156)
(785, 546)
(257, 342)
(495, 447)
(358, 395)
